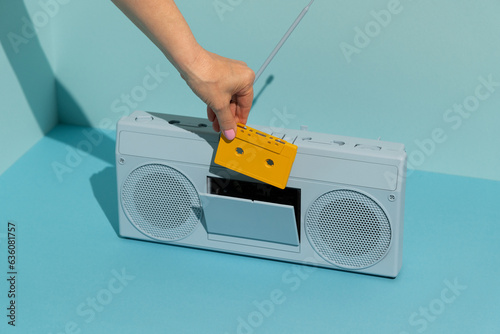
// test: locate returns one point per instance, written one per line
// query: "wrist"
(193, 63)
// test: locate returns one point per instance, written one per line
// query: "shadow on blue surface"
(105, 192)
(102, 146)
(21, 45)
(269, 79)
(34, 73)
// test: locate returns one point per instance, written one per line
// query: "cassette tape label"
(258, 155)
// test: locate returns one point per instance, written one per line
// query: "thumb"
(226, 122)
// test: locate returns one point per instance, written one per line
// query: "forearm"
(165, 26)
(224, 84)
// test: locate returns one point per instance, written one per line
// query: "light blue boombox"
(342, 207)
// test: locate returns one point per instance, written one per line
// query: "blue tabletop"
(75, 275)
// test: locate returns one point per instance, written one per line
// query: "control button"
(338, 142)
(368, 147)
(144, 118)
(289, 138)
(315, 141)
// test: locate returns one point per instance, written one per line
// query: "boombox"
(342, 207)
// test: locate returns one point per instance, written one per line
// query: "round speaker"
(348, 229)
(161, 202)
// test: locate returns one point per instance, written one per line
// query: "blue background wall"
(400, 84)
(28, 108)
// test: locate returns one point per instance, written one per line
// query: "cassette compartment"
(252, 210)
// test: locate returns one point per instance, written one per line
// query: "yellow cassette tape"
(258, 155)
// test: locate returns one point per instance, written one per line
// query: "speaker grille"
(348, 229)
(161, 202)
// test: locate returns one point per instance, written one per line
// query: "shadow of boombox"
(342, 208)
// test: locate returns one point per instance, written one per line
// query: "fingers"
(216, 126)
(244, 104)
(236, 110)
(245, 95)
(210, 114)
(226, 121)
(213, 118)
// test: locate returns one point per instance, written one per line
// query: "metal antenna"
(282, 41)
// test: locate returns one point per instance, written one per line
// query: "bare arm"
(225, 85)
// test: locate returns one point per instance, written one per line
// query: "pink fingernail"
(229, 134)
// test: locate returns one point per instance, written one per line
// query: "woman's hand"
(226, 86)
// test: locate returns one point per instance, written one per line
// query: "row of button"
(291, 139)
